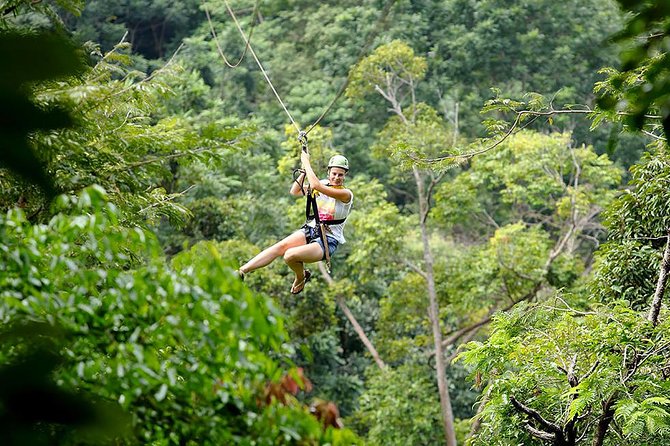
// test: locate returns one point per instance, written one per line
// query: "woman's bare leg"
(266, 256)
(296, 257)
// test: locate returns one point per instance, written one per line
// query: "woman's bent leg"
(266, 256)
(296, 257)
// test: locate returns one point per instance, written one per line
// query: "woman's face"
(336, 176)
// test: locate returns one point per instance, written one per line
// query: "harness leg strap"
(326, 248)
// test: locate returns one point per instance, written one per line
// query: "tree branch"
(477, 419)
(542, 435)
(604, 421)
(652, 135)
(157, 159)
(167, 198)
(352, 319)
(415, 268)
(11, 9)
(655, 308)
(433, 182)
(535, 415)
(514, 128)
(454, 336)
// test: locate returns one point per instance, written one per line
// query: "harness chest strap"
(312, 212)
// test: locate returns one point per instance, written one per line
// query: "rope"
(216, 38)
(302, 135)
(258, 62)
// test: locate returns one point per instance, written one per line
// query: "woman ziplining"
(328, 205)
(328, 201)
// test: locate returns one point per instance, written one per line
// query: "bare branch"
(664, 268)
(572, 379)
(158, 159)
(352, 319)
(514, 128)
(477, 419)
(509, 132)
(415, 268)
(542, 435)
(490, 219)
(167, 198)
(591, 370)
(652, 135)
(535, 415)
(604, 421)
(454, 336)
(434, 182)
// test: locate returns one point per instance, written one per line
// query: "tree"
(162, 340)
(549, 47)
(560, 375)
(393, 71)
(635, 257)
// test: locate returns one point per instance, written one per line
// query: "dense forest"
(504, 276)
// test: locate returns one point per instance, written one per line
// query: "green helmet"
(339, 161)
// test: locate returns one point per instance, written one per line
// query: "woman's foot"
(298, 286)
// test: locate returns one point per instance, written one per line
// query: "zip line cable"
(302, 134)
(258, 62)
(215, 37)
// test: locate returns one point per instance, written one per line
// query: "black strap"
(333, 222)
(311, 209)
(296, 175)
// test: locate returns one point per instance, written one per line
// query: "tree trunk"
(434, 316)
(604, 421)
(661, 284)
(477, 420)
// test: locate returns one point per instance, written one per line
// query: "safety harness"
(311, 208)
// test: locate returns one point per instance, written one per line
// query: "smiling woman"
(328, 205)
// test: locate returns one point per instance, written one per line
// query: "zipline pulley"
(302, 139)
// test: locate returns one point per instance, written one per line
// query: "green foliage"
(644, 53)
(373, 226)
(389, 67)
(650, 415)
(547, 47)
(119, 142)
(52, 57)
(402, 326)
(643, 211)
(61, 414)
(148, 133)
(184, 347)
(155, 27)
(637, 223)
(407, 143)
(565, 364)
(45, 11)
(530, 177)
(624, 271)
(400, 407)
(319, 145)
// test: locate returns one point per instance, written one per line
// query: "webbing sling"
(311, 205)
